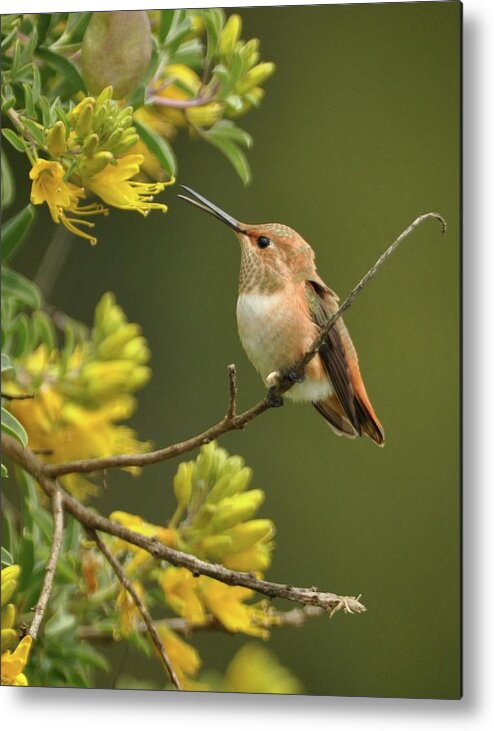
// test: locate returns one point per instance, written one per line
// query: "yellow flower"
(13, 663)
(226, 604)
(184, 658)
(115, 186)
(49, 186)
(180, 588)
(256, 670)
(129, 613)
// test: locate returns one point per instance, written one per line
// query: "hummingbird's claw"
(294, 376)
(274, 399)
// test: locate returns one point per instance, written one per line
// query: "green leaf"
(15, 231)
(4, 473)
(6, 364)
(28, 99)
(59, 623)
(20, 288)
(17, 142)
(158, 146)
(44, 20)
(63, 66)
(166, 20)
(234, 155)
(35, 130)
(43, 329)
(137, 97)
(6, 558)
(12, 426)
(21, 329)
(229, 131)
(36, 87)
(8, 182)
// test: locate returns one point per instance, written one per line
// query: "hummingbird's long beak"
(209, 207)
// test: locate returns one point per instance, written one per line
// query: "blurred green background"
(358, 134)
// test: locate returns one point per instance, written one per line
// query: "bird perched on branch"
(282, 306)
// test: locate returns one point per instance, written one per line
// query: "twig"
(51, 566)
(232, 380)
(146, 617)
(232, 422)
(17, 396)
(93, 521)
(296, 617)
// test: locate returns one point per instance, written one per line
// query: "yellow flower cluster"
(90, 155)
(13, 660)
(177, 97)
(80, 400)
(213, 493)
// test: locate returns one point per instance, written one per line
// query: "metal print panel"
(166, 525)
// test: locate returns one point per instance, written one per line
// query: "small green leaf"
(158, 146)
(166, 20)
(6, 364)
(63, 66)
(228, 130)
(20, 288)
(17, 142)
(12, 426)
(44, 331)
(35, 130)
(8, 183)
(21, 328)
(15, 231)
(6, 558)
(234, 155)
(28, 100)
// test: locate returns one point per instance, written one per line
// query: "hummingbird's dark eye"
(263, 242)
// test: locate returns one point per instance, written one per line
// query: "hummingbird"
(282, 305)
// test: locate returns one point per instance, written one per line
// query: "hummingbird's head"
(271, 252)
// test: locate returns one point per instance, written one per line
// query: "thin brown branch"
(232, 422)
(232, 381)
(296, 618)
(51, 566)
(146, 617)
(93, 521)
(16, 396)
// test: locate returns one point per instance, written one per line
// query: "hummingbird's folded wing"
(323, 303)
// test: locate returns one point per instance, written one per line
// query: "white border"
(41, 709)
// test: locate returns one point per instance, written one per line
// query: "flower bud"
(206, 115)
(126, 143)
(56, 142)
(182, 483)
(116, 50)
(95, 164)
(245, 535)
(233, 510)
(216, 546)
(230, 35)
(8, 616)
(239, 482)
(9, 638)
(85, 120)
(90, 144)
(255, 77)
(8, 588)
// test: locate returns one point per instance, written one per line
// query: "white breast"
(259, 318)
(265, 324)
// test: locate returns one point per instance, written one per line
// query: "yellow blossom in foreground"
(256, 670)
(184, 658)
(49, 186)
(115, 186)
(13, 663)
(226, 603)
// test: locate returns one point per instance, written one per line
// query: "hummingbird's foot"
(273, 398)
(294, 376)
(273, 379)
